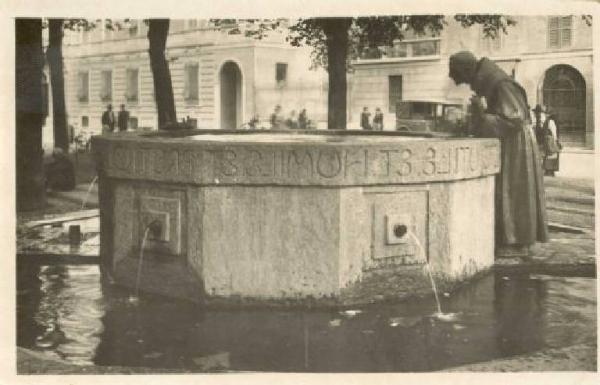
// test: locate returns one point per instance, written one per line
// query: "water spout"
(428, 266)
(88, 192)
(153, 227)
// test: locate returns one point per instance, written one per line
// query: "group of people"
(109, 121)
(365, 120)
(292, 122)
(499, 109)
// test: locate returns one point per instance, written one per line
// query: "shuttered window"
(560, 31)
(83, 87)
(132, 85)
(395, 91)
(281, 73)
(191, 83)
(106, 86)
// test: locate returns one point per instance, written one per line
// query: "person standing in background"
(123, 118)
(276, 119)
(108, 119)
(303, 120)
(378, 120)
(292, 122)
(364, 119)
(538, 127)
(551, 146)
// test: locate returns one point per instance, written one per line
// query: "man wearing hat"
(548, 142)
(540, 117)
(520, 202)
(108, 119)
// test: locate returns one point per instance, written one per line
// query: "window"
(412, 45)
(192, 24)
(395, 91)
(133, 28)
(491, 44)
(422, 110)
(281, 73)
(560, 31)
(106, 86)
(83, 87)
(132, 87)
(426, 48)
(191, 83)
(133, 123)
(85, 121)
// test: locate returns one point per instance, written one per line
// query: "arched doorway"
(231, 96)
(563, 92)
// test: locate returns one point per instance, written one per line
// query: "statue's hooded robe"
(520, 201)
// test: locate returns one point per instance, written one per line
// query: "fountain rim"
(182, 133)
(183, 136)
(394, 159)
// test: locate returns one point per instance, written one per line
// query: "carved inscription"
(308, 163)
(454, 160)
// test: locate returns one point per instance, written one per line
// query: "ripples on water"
(497, 316)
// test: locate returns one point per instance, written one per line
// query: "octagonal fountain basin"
(267, 215)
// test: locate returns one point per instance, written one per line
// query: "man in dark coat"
(277, 122)
(303, 120)
(378, 120)
(123, 118)
(108, 119)
(520, 202)
(364, 119)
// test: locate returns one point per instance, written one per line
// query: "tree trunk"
(158, 30)
(57, 84)
(336, 32)
(29, 111)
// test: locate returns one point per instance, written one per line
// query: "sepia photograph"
(352, 192)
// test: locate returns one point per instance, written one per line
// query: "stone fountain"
(270, 215)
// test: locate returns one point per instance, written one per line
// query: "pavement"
(570, 201)
(576, 163)
(580, 357)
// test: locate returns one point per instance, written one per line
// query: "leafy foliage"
(365, 33)
(491, 25)
(90, 24)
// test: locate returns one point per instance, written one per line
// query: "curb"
(571, 210)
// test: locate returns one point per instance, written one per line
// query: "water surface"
(497, 316)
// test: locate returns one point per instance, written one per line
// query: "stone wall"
(290, 216)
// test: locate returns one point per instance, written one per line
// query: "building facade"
(550, 56)
(220, 77)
